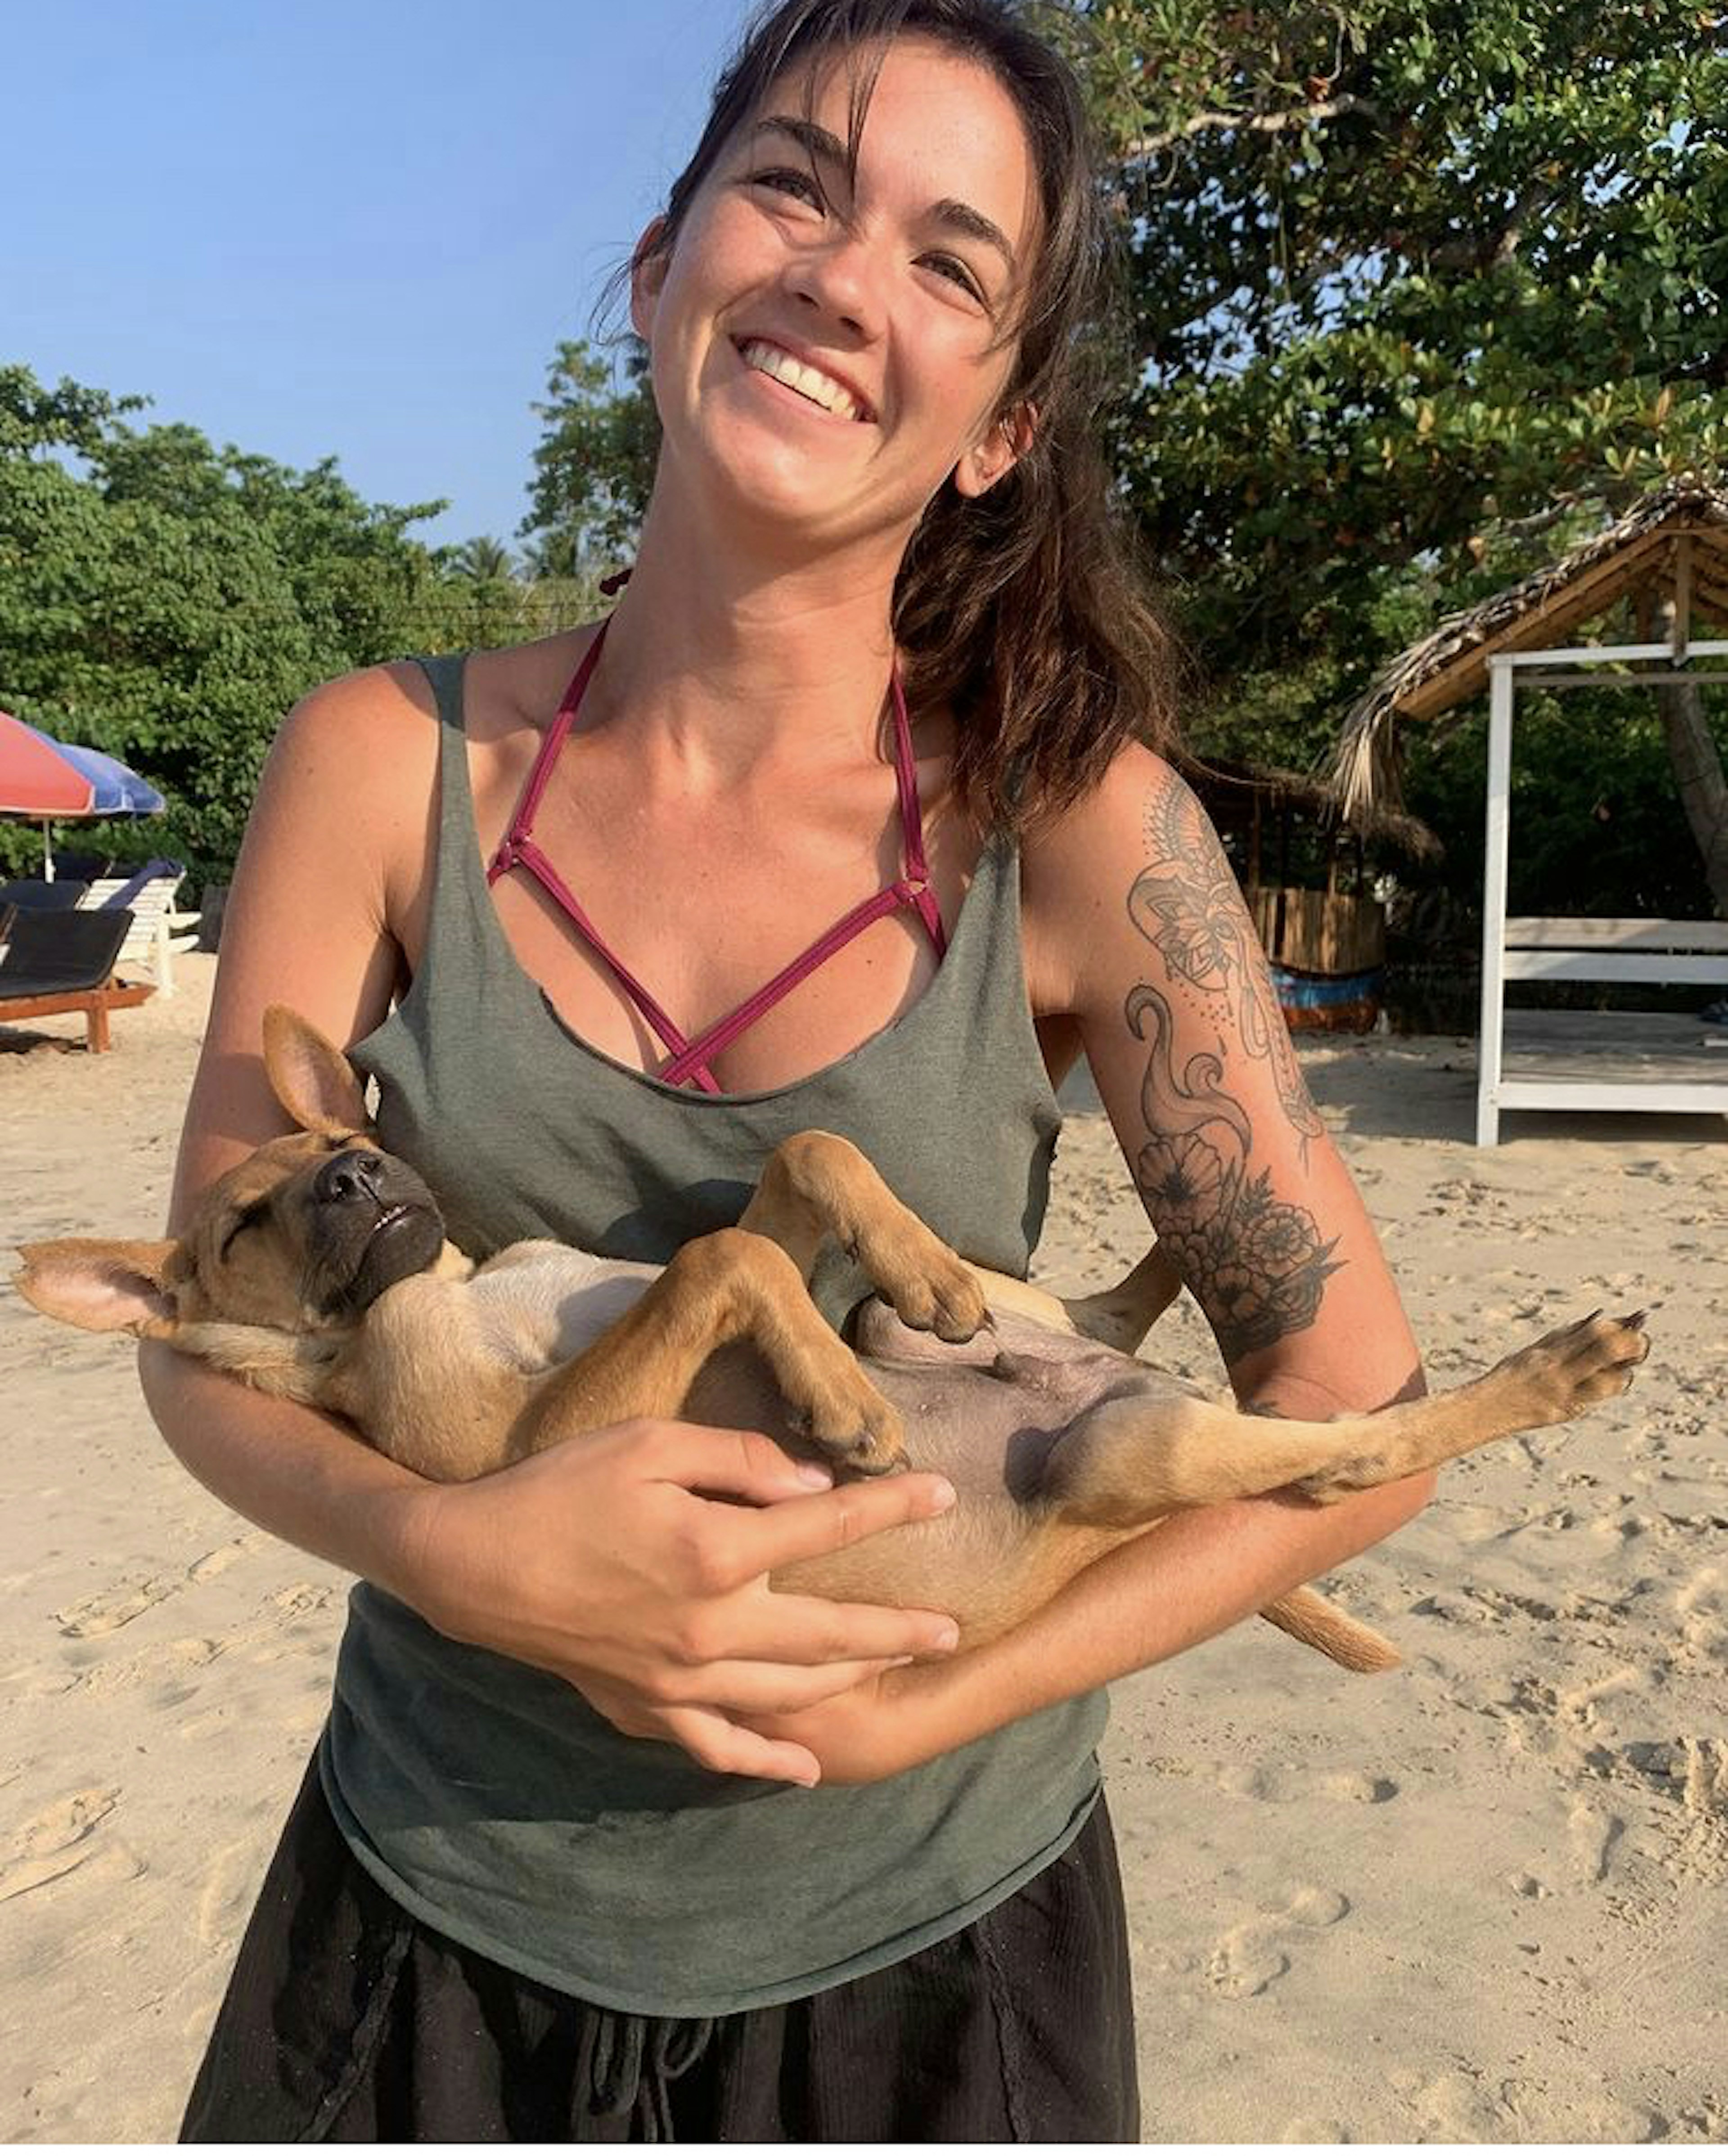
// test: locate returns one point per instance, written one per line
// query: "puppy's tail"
(1310, 1618)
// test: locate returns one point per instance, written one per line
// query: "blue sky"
(346, 228)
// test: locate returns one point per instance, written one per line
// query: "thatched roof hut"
(1244, 797)
(1672, 546)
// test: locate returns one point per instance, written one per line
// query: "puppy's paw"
(931, 1290)
(1577, 1368)
(852, 1424)
(1348, 1478)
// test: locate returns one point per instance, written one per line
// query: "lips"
(816, 384)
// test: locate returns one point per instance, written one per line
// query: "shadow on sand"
(1423, 1086)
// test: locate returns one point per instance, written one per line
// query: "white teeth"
(807, 381)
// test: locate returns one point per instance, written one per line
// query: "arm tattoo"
(1256, 1265)
(1188, 907)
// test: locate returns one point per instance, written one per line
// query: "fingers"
(814, 1526)
(749, 1687)
(803, 1629)
(731, 1463)
(715, 1742)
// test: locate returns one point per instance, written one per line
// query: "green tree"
(1422, 290)
(166, 601)
(483, 561)
(594, 465)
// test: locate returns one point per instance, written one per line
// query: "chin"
(408, 1244)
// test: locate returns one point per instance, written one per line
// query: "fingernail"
(898, 1661)
(941, 1497)
(813, 1476)
(947, 1638)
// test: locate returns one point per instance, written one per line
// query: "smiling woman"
(848, 817)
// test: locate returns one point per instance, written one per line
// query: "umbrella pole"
(47, 854)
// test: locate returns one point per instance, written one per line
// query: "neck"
(739, 650)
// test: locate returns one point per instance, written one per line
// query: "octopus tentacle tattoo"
(1187, 905)
(1255, 1263)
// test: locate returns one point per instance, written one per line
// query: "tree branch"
(1253, 123)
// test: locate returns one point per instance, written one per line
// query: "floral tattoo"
(1256, 1264)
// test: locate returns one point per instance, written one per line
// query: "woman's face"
(829, 353)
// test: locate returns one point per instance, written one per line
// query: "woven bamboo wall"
(1318, 932)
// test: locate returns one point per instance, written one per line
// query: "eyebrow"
(826, 147)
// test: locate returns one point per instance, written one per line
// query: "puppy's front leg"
(816, 1185)
(733, 1286)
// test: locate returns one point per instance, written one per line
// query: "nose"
(346, 1177)
(842, 280)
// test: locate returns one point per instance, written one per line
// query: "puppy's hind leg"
(1150, 1452)
(816, 1185)
(728, 1286)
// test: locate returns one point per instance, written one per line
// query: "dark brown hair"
(1024, 607)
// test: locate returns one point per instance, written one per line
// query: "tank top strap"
(914, 882)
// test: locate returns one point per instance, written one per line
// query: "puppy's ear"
(312, 1078)
(105, 1287)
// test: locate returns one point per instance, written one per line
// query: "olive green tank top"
(488, 1798)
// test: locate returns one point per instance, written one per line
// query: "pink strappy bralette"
(688, 1060)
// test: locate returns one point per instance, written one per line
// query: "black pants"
(348, 2020)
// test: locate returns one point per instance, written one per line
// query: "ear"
(105, 1287)
(313, 1079)
(1007, 441)
(648, 271)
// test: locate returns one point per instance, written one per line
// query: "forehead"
(259, 1172)
(937, 124)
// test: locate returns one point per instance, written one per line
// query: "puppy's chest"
(538, 1304)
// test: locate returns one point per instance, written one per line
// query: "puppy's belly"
(987, 1413)
(545, 1302)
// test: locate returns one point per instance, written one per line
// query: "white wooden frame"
(159, 927)
(1533, 949)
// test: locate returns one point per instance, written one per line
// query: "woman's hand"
(889, 1722)
(633, 1562)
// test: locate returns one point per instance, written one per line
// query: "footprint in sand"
(56, 1840)
(112, 1608)
(218, 1561)
(1272, 1782)
(1252, 1955)
(115, 1606)
(1595, 1837)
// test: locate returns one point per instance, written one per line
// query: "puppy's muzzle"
(350, 1178)
(373, 1224)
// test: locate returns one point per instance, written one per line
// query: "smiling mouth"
(807, 382)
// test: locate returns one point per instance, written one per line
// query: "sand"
(1484, 1898)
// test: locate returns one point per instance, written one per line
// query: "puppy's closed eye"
(252, 1217)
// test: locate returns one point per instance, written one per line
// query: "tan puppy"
(317, 1269)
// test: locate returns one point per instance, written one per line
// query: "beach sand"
(1483, 1898)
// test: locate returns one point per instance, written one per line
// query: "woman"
(497, 1912)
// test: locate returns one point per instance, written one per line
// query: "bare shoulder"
(377, 723)
(1078, 868)
(1112, 827)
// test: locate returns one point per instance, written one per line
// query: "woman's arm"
(1136, 931)
(610, 1560)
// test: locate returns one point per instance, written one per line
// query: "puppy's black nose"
(346, 1176)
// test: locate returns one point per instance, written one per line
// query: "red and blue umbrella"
(48, 779)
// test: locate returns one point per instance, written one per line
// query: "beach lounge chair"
(60, 896)
(65, 962)
(159, 928)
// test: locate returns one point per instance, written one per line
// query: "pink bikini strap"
(518, 846)
(910, 888)
(689, 1060)
(522, 824)
(915, 884)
